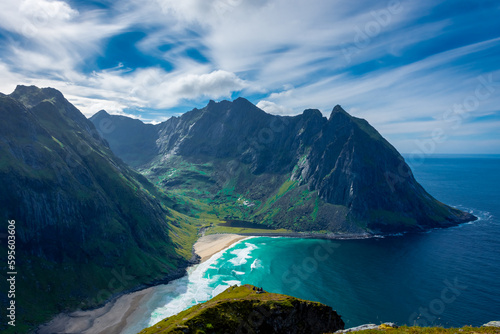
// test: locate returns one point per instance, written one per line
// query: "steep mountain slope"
(305, 173)
(135, 142)
(87, 226)
(244, 309)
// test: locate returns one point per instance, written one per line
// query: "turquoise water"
(448, 277)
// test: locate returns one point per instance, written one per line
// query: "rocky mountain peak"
(312, 113)
(30, 96)
(101, 113)
(338, 111)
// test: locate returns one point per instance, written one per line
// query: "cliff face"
(245, 310)
(306, 173)
(87, 226)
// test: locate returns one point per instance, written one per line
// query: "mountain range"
(301, 173)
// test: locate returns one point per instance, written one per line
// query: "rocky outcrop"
(384, 326)
(245, 309)
(492, 324)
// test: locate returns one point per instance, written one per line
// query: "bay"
(444, 277)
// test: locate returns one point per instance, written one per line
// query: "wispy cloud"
(399, 64)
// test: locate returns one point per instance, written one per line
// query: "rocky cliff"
(244, 309)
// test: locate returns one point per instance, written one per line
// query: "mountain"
(135, 142)
(302, 173)
(245, 309)
(87, 226)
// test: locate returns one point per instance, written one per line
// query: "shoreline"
(209, 245)
(113, 316)
(110, 318)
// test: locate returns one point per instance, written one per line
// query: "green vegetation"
(388, 217)
(245, 308)
(431, 330)
(89, 228)
(235, 308)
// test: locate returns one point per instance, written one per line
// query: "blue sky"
(426, 74)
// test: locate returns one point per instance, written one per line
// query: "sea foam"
(198, 286)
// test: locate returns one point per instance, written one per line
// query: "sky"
(425, 74)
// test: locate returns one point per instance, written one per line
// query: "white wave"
(238, 272)
(191, 289)
(180, 294)
(242, 255)
(230, 283)
(256, 264)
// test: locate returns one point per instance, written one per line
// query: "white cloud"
(155, 88)
(274, 108)
(291, 50)
(215, 84)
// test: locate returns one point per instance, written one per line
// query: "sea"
(443, 277)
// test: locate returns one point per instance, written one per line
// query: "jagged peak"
(33, 95)
(23, 91)
(101, 113)
(242, 100)
(239, 105)
(338, 110)
(312, 112)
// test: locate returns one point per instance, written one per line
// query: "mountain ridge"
(87, 226)
(338, 168)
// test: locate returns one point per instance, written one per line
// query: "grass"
(432, 330)
(240, 230)
(391, 218)
(119, 221)
(225, 312)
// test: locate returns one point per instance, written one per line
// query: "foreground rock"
(492, 324)
(384, 326)
(247, 309)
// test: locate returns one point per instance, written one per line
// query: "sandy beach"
(115, 316)
(209, 245)
(111, 318)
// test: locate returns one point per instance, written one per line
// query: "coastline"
(113, 316)
(208, 245)
(110, 318)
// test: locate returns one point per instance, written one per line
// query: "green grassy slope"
(243, 309)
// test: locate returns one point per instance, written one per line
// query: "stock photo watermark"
(11, 272)
(116, 285)
(42, 13)
(452, 118)
(364, 35)
(427, 316)
(298, 273)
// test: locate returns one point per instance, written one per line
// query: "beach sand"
(111, 318)
(116, 315)
(209, 245)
